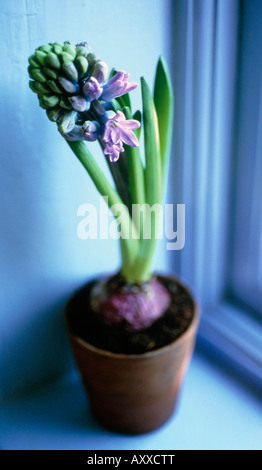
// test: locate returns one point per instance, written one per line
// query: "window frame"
(207, 53)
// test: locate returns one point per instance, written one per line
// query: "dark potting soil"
(88, 325)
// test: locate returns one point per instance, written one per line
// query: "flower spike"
(70, 82)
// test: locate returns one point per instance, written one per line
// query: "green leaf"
(153, 182)
(124, 100)
(138, 116)
(113, 71)
(153, 171)
(164, 104)
(116, 106)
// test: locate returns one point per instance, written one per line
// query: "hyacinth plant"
(88, 104)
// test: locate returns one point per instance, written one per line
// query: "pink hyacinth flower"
(117, 86)
(118, 131)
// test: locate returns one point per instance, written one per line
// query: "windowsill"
(214, 412)
(229, 331)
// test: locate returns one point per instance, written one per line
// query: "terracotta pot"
(135, 393)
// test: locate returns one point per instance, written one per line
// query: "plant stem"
(130, 239)
(119, 172)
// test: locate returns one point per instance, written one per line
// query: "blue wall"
(42, 261)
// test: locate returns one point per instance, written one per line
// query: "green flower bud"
(50, 100)
(41, 103)
(57, 49)
(30, 69)
(50, 72)
(37, 75)
(83, 48)
(67, 58)
(68, 122)
(40, 55)
(54, 87)
(70, 49)
(70, 71)
(55, 113)
(64, 103)
(52, 60)
(67, 85)
(47, 48)
(81, 64)
(41, 88)
(82, 51)
(33, 62)
(57, 43)
(92, 59)
(100, 71)
(32, 86)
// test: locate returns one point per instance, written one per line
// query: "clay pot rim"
(103, 352)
